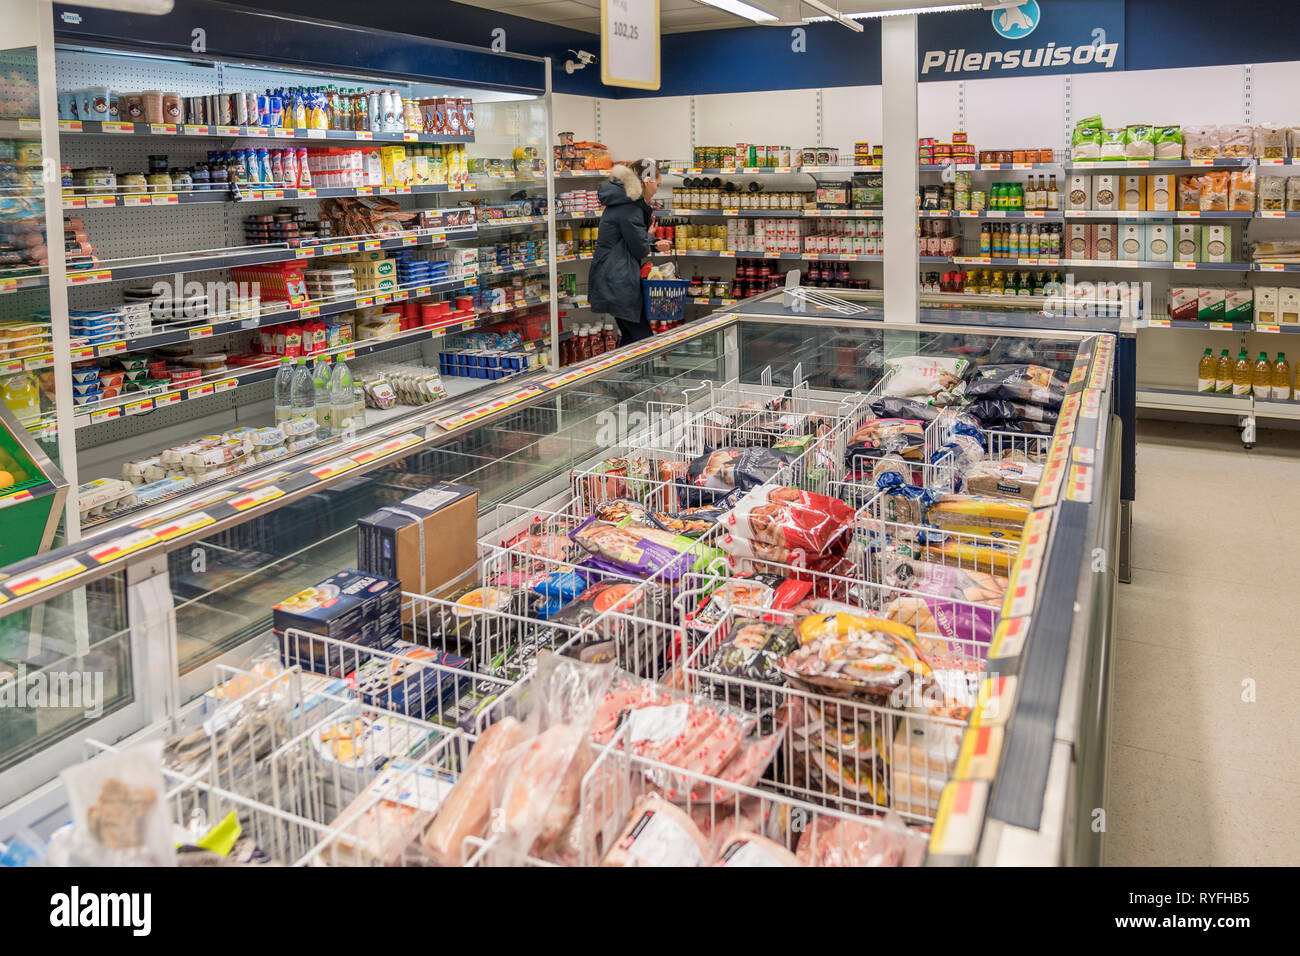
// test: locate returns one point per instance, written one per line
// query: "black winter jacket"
(622, 243)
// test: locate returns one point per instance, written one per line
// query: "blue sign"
(1029, 39)
(1016, 23)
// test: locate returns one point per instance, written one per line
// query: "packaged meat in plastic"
(887, 436)
(854, 654)
(1035, 384)
(1201, 142)
(119, 812)
(835, 841)
(918, 376)
(750, 849)
(466, 810)
(979, 514)
(658, 834)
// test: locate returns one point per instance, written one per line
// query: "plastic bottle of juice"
(1261, 379)
(1281, 378)
(1223, 374)
(1241, 374)
(1205, 372)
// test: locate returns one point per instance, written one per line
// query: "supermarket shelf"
(1277, 329)
(586, 257)
(19, 283)
(1050, 215)
(1041, 263)
(213, 329)
(1146, 264)
(1230, 163)
(134, 403)
(984, 167)
(581, 173)
(251, 194)
(510, 223)
(795, 256)
(1276, 214)
(509, 270)
(1198, 326)
(1189, 401)
(768, 170)
(780, 213)
(1154, 214)
(1275, 266)
(256, 255)
(588, 216)
(96, 128)
(527, 303)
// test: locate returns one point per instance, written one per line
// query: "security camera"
(582, 58)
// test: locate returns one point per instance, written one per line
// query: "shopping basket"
(665, 299)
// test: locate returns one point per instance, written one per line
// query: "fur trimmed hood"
(625, 177)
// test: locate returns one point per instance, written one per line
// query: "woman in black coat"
(622, 243)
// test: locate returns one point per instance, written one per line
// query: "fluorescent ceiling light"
(742, 9)
(888, 10)
(833, 14)
(152, 7)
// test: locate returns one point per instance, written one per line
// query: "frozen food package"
(991, 411)
(1270, 141)
(658, 834)
(691, 522)
(727, 469)
(1139, 141)
(902, 502)
(743, 592)
(750, 849)
(1272, 193)
(906, 408)
(836, 841)
(1035, 384)
(1201, 142)
(614, 478)
(918, 575)
(1113, 142)
(1236, 141)
(642, 552)
(979, 514)
(854, 654)
(1085, 139)
(918, 376)
(1168, 142)
(991, 557)
(887, 436)
(753, 651)
(1214, 188)
(1241, 195)
(1012, 475)
(119, 812)
(772, 520)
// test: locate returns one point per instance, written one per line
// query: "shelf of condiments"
(780, 236)
(1038, 194)
(1265, 379)
(992, 282)
(281, 109)
(754, 156)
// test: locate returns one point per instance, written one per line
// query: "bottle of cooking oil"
(1205, 372)
(1241, 374)
(1223, 374)
(1261, 379)
(1281, 378)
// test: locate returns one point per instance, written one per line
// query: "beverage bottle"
(1223, 374)
(1023, 287)
(986, 240)
(1024, 242)
(986, 285)
(321, 387)
(304, 174)
(342, 399)
(358, 406)
(1241, 372)
(299, 110)
(1052, 193)
(1281, 378)
(375, 111)
(1261, 380)
(1035, 242)
(1038, 284)
(303, 392)
(1205, 372)
(284, 391)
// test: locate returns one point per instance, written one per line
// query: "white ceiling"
(675, 16)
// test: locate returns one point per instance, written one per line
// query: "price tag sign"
(629, 43)
(1270, 267)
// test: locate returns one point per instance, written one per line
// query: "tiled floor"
(1199, 775)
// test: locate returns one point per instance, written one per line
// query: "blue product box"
(418, 683)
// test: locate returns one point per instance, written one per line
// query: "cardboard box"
(1131, 235)
(1158, 245)
(352, 606)
(1105, 192)
(1182, 302)
(1209, 305)
(1266, 305)
(1105, 246)
(426, 541)
(1132, 193)
(1215, 244)
(1079, 241)
(1162, 192)
(1078, 192)
(1288, 306)
(1186, 244)
(1238, 305)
